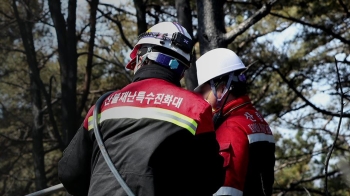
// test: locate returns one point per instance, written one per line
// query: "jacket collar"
(156, 71)
(235, 104)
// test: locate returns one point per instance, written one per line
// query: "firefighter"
(246, 141)
(159, 136)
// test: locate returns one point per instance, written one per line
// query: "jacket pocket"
(225, 152)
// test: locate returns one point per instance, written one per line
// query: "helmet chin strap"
(227, 88)
(144, 57)
(217, 116)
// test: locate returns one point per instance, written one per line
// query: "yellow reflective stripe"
(91, 121)
(150, 112)
(181, 116)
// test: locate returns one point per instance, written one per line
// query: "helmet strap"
(226, 89)
(168, 61)
(217, 117)
(144, 57)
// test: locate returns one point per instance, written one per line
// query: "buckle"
(182, 42)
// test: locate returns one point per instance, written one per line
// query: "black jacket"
(159, 136)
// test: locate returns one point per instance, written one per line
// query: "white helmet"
(217, 62)
(169, 35)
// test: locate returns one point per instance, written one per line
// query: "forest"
(57, 57)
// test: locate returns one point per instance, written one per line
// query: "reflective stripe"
(225, 190)
(257, 137)
(179, 27)
(151, 112)
(91, 122)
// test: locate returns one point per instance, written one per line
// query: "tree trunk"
(88, 67)
(67, 51)
(37, 135)
(35, 83)
(184, 18)
(211, 25)
(140, 7)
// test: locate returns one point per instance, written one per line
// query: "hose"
(102, 146)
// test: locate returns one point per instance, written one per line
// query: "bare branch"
(50, 150)
(46, 58)
(12, 49)
(88, 67)
(52, 103)
(255, 36)
(315, 178)
(15, 85)
(157, 8)
(284, 190)
(338, 129)
(292, 163)
(344, 7)
(239, 2)
(114, 62)
(116, 8)
(23, 140)
(51, 116)
(241, 28)
(323, 28)
(292, 109)
(156, 18)
(85, 27)
(299, 94)
(119, 25)
(6, 15)
(294, 185)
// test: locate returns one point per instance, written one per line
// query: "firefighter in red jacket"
(246, 141)
(159, 136)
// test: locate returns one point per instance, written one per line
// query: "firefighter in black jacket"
(160, 137)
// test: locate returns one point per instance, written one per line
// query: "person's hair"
(238, 88)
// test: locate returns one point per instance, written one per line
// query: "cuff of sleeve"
(229, 191)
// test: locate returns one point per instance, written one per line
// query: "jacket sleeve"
(260, 176)
(234, 147)
(208, 164)
(74, 166)
(267, 173)
(208, 168)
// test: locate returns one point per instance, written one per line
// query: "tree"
(67, 51)
(184, 17)
(36, 87)
(212, 32)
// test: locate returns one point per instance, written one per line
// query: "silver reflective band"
(225, 190)
(151, 113)
(258, 137)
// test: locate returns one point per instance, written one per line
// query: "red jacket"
(158, 139)
(248, 147)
